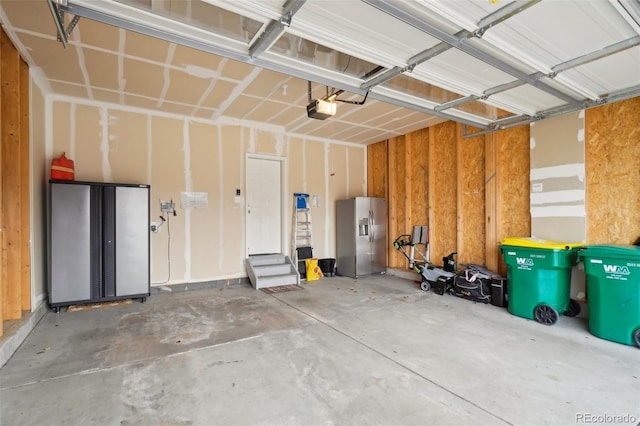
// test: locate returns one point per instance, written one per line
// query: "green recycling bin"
(539, 278)
(613, 291)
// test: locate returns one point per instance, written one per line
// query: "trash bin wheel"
(546, 314)
(636, 337)
(573, 309)
(425, 286)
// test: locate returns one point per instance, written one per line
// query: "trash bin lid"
(533, 242)
(615, 251)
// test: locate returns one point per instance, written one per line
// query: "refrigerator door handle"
(372, 228)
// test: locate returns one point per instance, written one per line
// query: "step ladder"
(301, 232)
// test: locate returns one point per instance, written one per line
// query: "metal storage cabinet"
(98, 242)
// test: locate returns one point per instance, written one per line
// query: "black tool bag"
(473, 283)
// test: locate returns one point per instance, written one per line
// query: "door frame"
(283, 201)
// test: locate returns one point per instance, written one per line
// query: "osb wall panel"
(512, 174)
(12, 183)
(442, 191)
(25, 193)
(418, 143)
(491, 212)
(612, 162)
(397, 198)
(377, 181)
(471, 234)
(15, 238)
(377, 169)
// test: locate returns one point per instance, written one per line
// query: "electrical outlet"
(155, 227)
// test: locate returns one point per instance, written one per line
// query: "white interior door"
(264, 206)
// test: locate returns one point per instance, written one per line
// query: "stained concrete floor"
(376, 350)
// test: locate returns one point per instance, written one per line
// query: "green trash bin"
(539, 278)
(613, 291)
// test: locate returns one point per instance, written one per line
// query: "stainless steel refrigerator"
(361, 226)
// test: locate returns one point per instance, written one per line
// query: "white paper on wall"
(194, 200)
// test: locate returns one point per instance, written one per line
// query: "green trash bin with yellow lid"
(539, 277)
(613, 291)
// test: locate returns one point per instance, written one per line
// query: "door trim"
(284, 200)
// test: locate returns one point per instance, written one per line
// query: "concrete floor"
(376, 350)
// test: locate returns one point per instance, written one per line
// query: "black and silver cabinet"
(98, 242)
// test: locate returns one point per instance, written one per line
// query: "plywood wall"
(12, 255)
(470, 199)
(512, 183)
(418, 163)
(173, 154)
(15, 283)
(404, 160)
(377, 169)
(398, 218)
(491, 198)
(25, 196)
(612, 162)
(443, 183)
(377, 182)
(471, 192)
(491, 181)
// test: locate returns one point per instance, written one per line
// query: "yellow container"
(532, 242)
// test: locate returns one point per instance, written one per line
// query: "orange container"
(62, 168)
